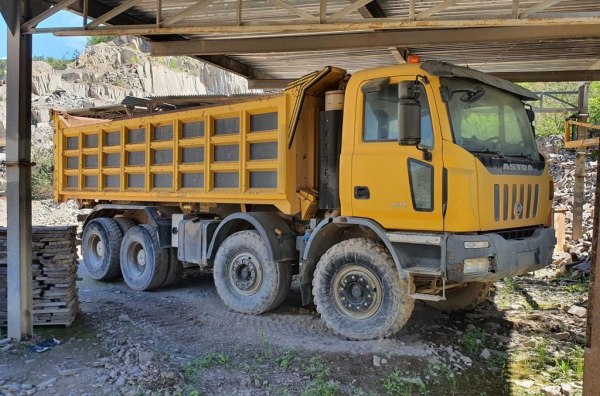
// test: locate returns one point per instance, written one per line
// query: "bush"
(42, 173)
(93, 40)
(56, 63)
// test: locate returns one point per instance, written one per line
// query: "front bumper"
(507, 257)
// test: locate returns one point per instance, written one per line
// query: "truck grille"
(515, 201)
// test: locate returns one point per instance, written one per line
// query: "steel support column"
(579, 193)
(18, 172)
(591, 371)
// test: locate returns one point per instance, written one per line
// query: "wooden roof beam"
(112, 13)
(435, 9)
(185, 13)
(347, 10)
(296, 11)
(538, 7)
(48, 13)
(368, 40)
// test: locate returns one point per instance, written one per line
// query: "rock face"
(107, 72)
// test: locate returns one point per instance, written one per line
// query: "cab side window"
(381, 116)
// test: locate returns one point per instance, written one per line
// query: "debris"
(68, 372)
(561, 336)
(124, 318)
(376, 361)
(45, 345)
(577, 311)
(485, 354)
(45, 384)
(524, 383)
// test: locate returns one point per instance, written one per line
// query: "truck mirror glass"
(409, 122)
(409, 113)
(377, 85)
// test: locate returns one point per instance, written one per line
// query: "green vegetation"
(473, 341)
(286, 359)
(2, 68)
(396, 384)
(552, 123)
(58, 63)
(93, 40)
(42, 172)
(191, 370)
(320, 385)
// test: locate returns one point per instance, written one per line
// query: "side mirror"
(530, 113)
(409, 114)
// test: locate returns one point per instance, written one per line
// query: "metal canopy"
(284, 39)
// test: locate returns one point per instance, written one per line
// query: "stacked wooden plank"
(54, 272)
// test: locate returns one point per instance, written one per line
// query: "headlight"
(477, 265)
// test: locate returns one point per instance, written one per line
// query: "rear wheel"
(359, 292)
(100, 245)
(463, 298)
(175, 270)
(143, 264)
(246, 279)
(124, 224)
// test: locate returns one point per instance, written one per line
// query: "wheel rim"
(245, 274)
(136, 258)
(96, 248)
(356, 291)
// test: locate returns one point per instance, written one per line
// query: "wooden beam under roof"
(288, 28)
(369, 40)
(538, 7)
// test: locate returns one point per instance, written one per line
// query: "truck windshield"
(489, 121)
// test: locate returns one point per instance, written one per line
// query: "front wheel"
(359, 292)
(246, 279)
(100, 245)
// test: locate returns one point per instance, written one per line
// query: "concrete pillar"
(18, 171)
(579, 193)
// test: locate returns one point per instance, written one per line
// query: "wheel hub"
(141, 258)
(245, 274)
(100, 248)
(357, 291)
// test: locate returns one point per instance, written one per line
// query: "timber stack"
(54, 271)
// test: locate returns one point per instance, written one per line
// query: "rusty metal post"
(579, 193)
(18, 172)
(591, 373)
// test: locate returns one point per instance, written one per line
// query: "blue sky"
(47, 44)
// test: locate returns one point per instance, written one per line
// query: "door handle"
(361, 192)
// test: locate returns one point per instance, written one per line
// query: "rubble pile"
(562, 169)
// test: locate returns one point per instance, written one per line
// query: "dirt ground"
(183, 340)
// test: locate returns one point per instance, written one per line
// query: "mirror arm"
(426, 153)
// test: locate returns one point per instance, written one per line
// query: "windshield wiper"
(487, 151)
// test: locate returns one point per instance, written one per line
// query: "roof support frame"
(435, 9)
(185, 13)
(368, 40)
(538, 7)
(347, 10)
(18, 172)
(296, 11)
(112, 13)
(47, 14)
(248, 27)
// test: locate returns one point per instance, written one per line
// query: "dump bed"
(257, 151)
(233, 153)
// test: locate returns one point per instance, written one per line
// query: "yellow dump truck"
(417, 181)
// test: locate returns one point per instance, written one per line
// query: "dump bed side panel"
(227, 154)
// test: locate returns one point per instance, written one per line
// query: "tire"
(246, 279)
(100, 244)
(124, 224)
(463, 298)
(346, 274)
(143, 264)
(175, 270)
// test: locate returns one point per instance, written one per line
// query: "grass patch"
(191, 370)
(473, 341)
(320, 385)
(397, 384)
(286, 358)
(93, 40)
(42, 173)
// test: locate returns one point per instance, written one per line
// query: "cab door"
(400, 187)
